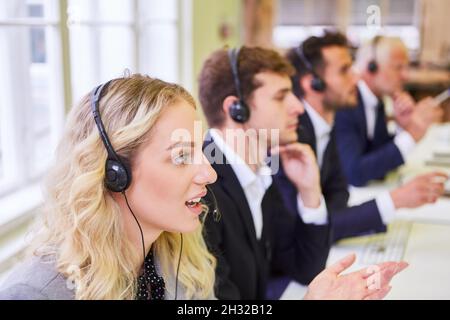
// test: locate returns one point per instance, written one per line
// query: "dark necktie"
(150, 285)
(380, 124)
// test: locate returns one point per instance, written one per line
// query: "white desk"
(428, 254)
(428, 246)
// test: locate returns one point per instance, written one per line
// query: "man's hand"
(428, 111)
(366, 284)
(300, 165)
(421, 190)
(424, 115)
(403, 108)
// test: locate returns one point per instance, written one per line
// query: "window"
(104, 38)
(30, 109)
(299, 19)
(37, 35)
(109, 36)
(1, 156)
(398, 12)
(52, 52)
(31, 112)
(307, 13)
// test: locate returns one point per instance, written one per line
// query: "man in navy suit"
(327, 61)
(367, 148)
(248, 102)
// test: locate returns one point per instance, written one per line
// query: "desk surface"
(428, 255)
(428, 246)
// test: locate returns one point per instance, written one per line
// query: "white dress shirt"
(403, 140)
(256, 184)
(322, 131)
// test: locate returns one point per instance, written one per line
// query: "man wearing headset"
(247, 95)
(326, 83)
(367, 149)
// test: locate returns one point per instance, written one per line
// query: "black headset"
(117, 170)
(239, 111)
(372, 66)
(317, 84)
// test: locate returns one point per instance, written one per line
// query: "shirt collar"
(321, 128)
(245, 175)
(370, 100)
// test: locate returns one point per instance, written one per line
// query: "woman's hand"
(365, 284)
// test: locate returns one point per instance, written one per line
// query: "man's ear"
(227, 103)
(305, 83)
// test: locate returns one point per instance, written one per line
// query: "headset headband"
(233, 55)
(95, 98)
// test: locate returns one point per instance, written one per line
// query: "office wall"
(215, 24)
(435, 41)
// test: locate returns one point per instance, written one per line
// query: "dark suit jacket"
(287, 246)
(345, 221)
(364, 159)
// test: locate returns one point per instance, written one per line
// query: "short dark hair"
(216, 78)
(312, 50)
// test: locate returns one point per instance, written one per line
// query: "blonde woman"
(121, 218)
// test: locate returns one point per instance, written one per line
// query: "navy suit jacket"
(345, 221)
(364, 159)
(287, 246)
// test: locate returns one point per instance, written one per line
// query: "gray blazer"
(37, 279)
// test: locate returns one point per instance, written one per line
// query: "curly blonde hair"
(81, 224)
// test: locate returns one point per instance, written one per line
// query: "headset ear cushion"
(239, 112)
(317, 84)
(372, 66)
(117, 175)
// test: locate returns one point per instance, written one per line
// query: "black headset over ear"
(372, 66)
(317, 84)
(117, 171)
(239, 111)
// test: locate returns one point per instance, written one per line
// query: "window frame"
(20, 194)
(17, 93)
(57, 24)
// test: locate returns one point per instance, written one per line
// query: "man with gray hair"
(366, 147)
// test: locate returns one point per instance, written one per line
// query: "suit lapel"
(305, 131)
(230, 184)
(361, 115)
(306, 134)
(329, 157)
